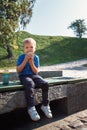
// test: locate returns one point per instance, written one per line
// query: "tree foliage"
(13, 13)
(79, 27)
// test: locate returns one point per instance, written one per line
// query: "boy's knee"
(30, 82)
(45, 86)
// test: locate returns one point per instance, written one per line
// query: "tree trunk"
(9, 55)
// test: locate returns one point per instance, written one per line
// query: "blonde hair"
(29, 40)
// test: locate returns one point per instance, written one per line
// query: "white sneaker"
(47, 111)
(33, 114)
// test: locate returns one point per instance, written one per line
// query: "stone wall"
(12, 100)
(74, 95)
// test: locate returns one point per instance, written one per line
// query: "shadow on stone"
(19, 119)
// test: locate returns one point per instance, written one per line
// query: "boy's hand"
(26, 58)
(30, 55)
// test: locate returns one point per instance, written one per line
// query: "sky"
(52, 17)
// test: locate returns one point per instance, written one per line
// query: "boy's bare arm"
(22, 65)
(33, 67)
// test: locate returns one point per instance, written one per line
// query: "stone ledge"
(12, 100)
(73, 92)
(16, 86)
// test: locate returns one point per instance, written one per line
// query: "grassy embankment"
(51, 49)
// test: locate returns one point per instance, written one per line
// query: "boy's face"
(29, 47)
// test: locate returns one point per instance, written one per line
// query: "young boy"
(27, 68)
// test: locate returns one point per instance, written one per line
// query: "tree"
(13, 13)
(79, 27)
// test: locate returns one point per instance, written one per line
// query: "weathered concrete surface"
(74, 95)
(12, 100)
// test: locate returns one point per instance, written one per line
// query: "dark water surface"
(20, 120)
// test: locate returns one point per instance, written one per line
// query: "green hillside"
(51, 49)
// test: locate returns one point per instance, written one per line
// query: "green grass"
(51, 49)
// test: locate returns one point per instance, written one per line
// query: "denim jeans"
(31, 82)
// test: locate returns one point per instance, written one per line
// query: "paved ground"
(77, 121)
(70, 69)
